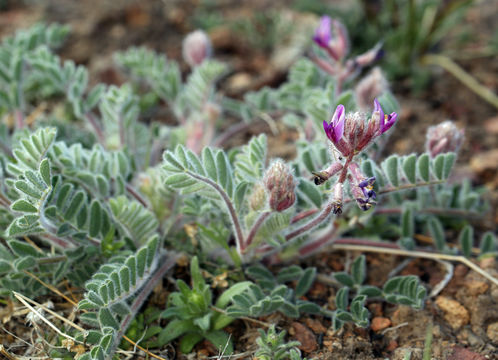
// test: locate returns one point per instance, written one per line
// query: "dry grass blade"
(24, 299)
(419, 254)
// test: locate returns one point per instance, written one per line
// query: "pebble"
(380, 323)
(454, 313)
(492, 332)
(316, 326)
(304, 335)
(476, 287)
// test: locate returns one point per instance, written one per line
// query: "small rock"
(476, 287)
(494, 294)
(316, 326)
(488, 263)
(412, 353)
(454, 313)
(380, 323)
(393, 344)
(492, 332)
(304, 335)
(460, 353)
(239, 82)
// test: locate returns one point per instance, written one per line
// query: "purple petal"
(328, 129)
(378, 108)
(338, 122)
(322, 33)
(391, 119)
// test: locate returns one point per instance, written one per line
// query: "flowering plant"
(86, 196)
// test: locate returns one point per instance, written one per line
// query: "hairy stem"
(254, 230)
(19, 117)
(98, 131)
(239, 237)
(133, 192)
(229, 132)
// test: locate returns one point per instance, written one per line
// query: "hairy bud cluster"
(370, 87)
(443, 138)
(196, 48)
(351, 133)
(280, 184)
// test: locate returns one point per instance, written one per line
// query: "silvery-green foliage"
(97, 213)
(111, 298)
(270, 294)
(163, 76)
(405, 290)
(15, 54)
(272, 346)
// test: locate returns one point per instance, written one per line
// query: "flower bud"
(257, 198)
(443, 138)
(280, 184)
(370, 87)
(196, 48)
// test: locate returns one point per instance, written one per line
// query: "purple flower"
(366, 187)
(386, 121)
(322, 33)
(335, 129)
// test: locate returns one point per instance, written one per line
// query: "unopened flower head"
(323, 34)
(370, 87)
(352, 132)
(258, 197)
(369, 57)
(280, 184)
(332, 36)
(443, 138)
(196, 48)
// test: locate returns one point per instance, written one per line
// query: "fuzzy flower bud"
(370, 56)
(443, 138)
(196, 48)
(370, 87)
(280, 184)
(336, 43)
(257, 198)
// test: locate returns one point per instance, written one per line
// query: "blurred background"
(440, 56)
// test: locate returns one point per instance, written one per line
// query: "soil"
(463, 317)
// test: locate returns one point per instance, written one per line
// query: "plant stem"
(18, 115)
(229, 132)
(303, 215)
(100, 135)
(51, 259)
(257, 224)
(136, 195)
(239, 237)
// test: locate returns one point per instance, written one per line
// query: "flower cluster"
(442, 138)
(332, 36)
(350, 134)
